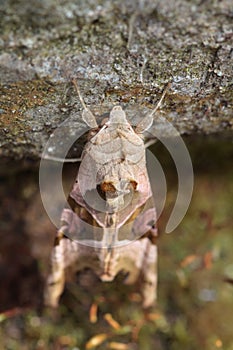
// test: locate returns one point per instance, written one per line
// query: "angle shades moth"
(109, 224)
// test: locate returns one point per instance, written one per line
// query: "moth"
(109, 223)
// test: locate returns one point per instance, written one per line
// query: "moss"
(17, 98)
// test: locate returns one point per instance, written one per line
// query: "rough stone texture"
(120, 52)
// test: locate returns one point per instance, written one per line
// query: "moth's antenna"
(79, 94)
(87, 115)
(161, 99)
(131, 25)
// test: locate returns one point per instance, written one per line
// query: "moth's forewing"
(112, 189)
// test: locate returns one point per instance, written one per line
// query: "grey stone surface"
(120, 52)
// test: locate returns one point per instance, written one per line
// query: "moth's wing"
(146, 222)
(142, 269)
(79, 225)
(134, 220)
(149, 275)
(67, 258)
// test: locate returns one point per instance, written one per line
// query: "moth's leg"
(132, 259)
(56, 279)
(149, 275)
(87, 116)
(140, 261)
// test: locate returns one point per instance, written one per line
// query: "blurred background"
(195, 288)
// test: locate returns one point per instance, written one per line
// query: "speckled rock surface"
(120, 52)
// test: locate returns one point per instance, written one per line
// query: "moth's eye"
(133, 184)
(107, 187)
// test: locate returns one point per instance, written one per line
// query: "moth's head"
(117, 116)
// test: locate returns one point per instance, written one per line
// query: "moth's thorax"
(117, 115)
(116, 141)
